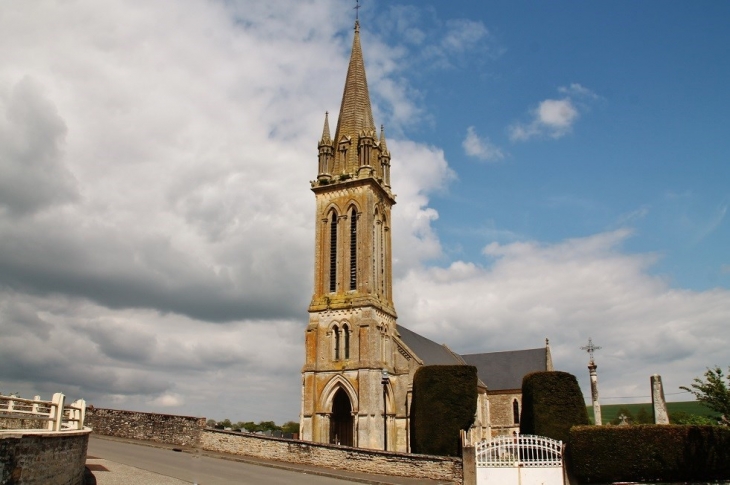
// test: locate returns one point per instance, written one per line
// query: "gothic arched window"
(353, 249)
(333, 252)
(346, 338)
(336, 338)
(516, 411)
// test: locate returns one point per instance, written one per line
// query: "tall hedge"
(551, 403)
(649, 453)
(444, 402)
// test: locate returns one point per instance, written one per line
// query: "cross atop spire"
(357, 13)
(590, 348)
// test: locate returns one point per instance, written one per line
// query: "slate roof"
(505, 370)
(427, 350)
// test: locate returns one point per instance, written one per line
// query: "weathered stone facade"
(332, 456)
(351, 338)
(502, 411)
(359, 364)
(162, 428)
(40, 458)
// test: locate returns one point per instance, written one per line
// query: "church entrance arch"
(341, 420)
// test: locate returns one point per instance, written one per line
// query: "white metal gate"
(520, 460)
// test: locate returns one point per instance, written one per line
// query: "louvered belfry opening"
(353, 249)
(333, 253)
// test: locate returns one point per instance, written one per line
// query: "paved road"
(129, 463)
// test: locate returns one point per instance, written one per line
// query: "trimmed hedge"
(603, 454)
(551, 403)
(444, 402)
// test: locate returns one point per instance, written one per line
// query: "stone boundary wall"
(333, 456)
(22, 422)
(43, 457)
(162, 428)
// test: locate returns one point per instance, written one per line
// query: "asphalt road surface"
(122, 463)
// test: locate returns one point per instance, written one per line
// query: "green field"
(610, 411)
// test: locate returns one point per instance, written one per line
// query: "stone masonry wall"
(333, 456)
(162, 428)
(22, 423)
(500, 411)
(40, 458)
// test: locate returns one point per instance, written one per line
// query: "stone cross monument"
(659, 405)
(590, 348)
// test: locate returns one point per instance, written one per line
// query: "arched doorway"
(341, 421)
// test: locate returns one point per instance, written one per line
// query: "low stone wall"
(333, 456)
(162, 428)
(43, 457)
(22, 422)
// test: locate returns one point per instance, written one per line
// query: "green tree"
(226, 423)
(627, 414)
(268, 426)
(681, 417)
(210, 423)
(250, 426)
(290, 427)
(713, 392)
(643, 417)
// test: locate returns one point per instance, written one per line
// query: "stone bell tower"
(348, 377)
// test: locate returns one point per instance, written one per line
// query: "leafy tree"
(713, 392)
(250, 426)
(627, 414)
(226, 423)
(290, 427)
(681, 417)
(211, 423)
(643, 417)
(268, 426)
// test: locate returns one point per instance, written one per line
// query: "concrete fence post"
(34, 408)
(55, 413)
(79, 413)
(468, 460)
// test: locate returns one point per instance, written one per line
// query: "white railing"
(57, 416)
(520, 451)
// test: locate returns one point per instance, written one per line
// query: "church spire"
(326, 151)
(326, 130)
(356, 114)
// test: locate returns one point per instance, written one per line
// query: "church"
(357, 380)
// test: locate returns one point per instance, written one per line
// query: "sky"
(561, 170)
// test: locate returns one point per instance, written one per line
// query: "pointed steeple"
(326, 151)
(326, 140)
(383, 146)
(356, 114)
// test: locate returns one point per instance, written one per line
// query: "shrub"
(551, 404)
(600, 454)
(444, 402)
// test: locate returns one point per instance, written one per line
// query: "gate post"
(468, 461)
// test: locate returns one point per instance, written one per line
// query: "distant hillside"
(610, 411)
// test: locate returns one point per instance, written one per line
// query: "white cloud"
(554, 118)
(480, 148)
(168, 401)
(463, 34)
(569, 291)
(576, 90)
(155, 210)
(166, 257)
